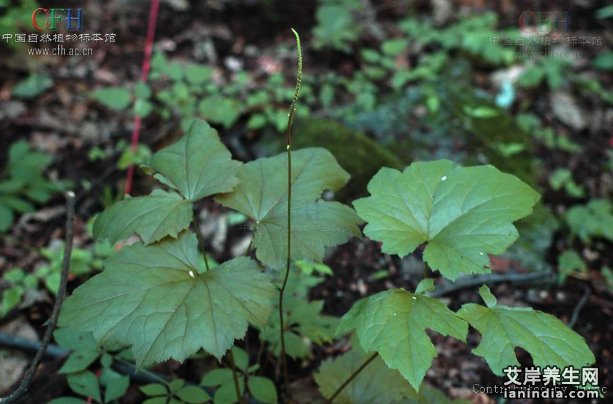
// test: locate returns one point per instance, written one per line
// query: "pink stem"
(153, 15)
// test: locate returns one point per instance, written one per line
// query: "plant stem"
(426, 270)
(152, 375)
(352, 376)
(200, 238)
(250, 247)
(288, 137)
(59, 299)
(239, 396)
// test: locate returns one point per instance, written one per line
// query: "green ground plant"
(189, 91)
(16, 16)
(336, 27)
(162, 298)
(109, 386)
(23, 183)
(83, 261)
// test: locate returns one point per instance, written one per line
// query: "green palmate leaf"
(116, 385)
(263, 182)
(154, 389)
(226, 392)
(315, 226)
(85, 383)
(75, 340)
(117, 98)
(376, 383)
(502, 328)
(568, 262)
(25, 162)
(159, 301)
(78, 361)
(33, 86)
(192, 394)
(22, 182)
(262, 196)
(152, 217)
(463, 214)
(221, 110)
(592, 220)
(6, 217)
(263, 389)
(306, 326)
(198, 165)
(393, 323)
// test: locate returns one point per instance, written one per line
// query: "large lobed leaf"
(198, 165)
(152, 217)
(549, 341)
(158, 300)
(262, 195)
(462, 213)
(315, 226)
(393, 323)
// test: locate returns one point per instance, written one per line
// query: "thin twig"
(490, 279)
(250, 247)
(351, 377)
(239, 396)
(258, 357)
(120, 365)
(129, 369)
(246, 372)
(59, 299)
(288, 137)
(586, 295)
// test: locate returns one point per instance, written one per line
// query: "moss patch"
(361, 156)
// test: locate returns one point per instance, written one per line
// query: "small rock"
(241, 247)
(507, 75)
(11, 109)
(179, 5)
(89, 131)
(14, 363)
(233, 64)
(566, 110)
(442, 10)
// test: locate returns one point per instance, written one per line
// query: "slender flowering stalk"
(288, 138)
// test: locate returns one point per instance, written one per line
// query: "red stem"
(153, 16)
